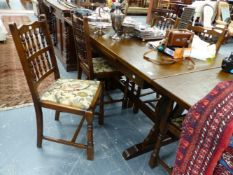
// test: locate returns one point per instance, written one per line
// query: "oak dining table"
(176, 83)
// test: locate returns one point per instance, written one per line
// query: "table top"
(188, 88)
(129, 52)
(176, 80)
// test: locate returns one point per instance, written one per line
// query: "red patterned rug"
(14, 91)
(13, 87)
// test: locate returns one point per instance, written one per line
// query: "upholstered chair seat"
(71, 92)
(94, 68)
(101, 65)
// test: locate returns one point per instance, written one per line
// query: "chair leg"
(132, 89)
(39, 125)
(125, 98)
(57, 115)
(135, 105)
(101, 108)
(90, 145)
(79, 72)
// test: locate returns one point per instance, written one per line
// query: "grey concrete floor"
(20, 156)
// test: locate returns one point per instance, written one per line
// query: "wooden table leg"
(163, 131)
(163, 108)
(143, 147)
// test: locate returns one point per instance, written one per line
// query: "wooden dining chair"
(224, 19)
(93, 67)
(208, 15)
(210, 35)
(80, 97)
(186, 16)
(167, 13)
(164, 23)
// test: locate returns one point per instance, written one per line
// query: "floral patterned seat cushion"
(101, 65)
(72, 92)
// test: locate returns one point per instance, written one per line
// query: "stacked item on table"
(129, 22)
(101, 14)
(100, 24)
(148, 33)
(154, 44)
(100, 19)
(128, 26)
(141, 31)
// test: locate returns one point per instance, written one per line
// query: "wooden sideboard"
(61, 32)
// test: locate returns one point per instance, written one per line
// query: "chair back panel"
(82, 44)
(35, 51)
(211, 36)
(186, 17)
(222, 6)
(163, 23)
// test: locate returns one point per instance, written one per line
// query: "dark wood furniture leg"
(163, 110)
(163, 129)
(125, 98)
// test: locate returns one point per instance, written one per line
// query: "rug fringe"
(16, 107)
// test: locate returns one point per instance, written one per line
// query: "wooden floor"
(15, 5)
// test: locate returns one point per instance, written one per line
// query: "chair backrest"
(186, 17)
(82, 44)
(208, 15)
(163, 23)
(172, 15)
(167, 13)
(35, 50)
(223, 12)
(211, 36)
